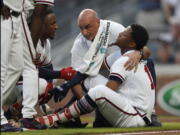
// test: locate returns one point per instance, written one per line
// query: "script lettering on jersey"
(103, 40)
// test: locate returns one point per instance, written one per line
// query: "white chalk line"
(148, 132)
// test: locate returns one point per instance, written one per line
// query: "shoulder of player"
(121, 60)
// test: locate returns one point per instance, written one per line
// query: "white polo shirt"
(81, 44)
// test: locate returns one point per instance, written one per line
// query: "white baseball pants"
(115, 107)
(30, 74)
(11, 57)
(93, 81)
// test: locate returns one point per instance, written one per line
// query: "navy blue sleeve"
(111, 77)
(151, 67)
(77, 79)
(60, 92)
(48, 73)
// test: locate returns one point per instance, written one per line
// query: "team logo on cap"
(169, 98)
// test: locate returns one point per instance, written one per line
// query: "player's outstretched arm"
(48, 73)
(60, 91)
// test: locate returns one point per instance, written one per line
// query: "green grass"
(85, 131)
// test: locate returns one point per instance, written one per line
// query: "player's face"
(124, 39)
(50, 26)
(89, 28)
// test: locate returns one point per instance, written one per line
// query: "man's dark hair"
(139, 35)
(49, 11)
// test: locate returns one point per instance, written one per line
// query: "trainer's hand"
(59, 93)
(133, 61)
(67, 73)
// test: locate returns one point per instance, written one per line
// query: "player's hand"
(133, 61)
(5, 12)
(37, 60)
(59, 93)
(67, 73)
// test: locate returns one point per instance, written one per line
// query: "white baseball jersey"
(110, 59)
(44, 52)
(17, 6)
(133, 101)
(14, 5)
(81, 43)
(138, 87)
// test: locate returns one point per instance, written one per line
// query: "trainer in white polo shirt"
(90, 27)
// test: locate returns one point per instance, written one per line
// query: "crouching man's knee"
(97, 92)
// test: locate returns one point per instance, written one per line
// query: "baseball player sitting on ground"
(127, 100)
(91, 26)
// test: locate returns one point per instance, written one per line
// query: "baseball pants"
(30, 73)
(16, 94)
(11, 57)
(93, 81)
(115, 107)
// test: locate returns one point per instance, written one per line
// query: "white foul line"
(148, 132)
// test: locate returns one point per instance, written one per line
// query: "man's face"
(89, 28)
(124, 39)
(50, 26)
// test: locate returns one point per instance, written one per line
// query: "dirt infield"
(169, 118)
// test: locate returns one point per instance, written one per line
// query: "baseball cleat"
(9, 128)
(31, 123)
(154, 121)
